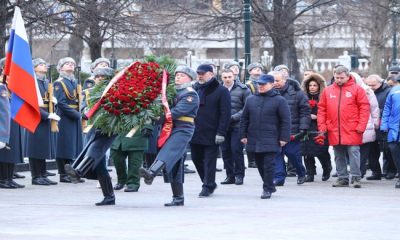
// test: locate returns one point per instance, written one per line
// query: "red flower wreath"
(135, 90)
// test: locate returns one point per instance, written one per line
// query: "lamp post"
(394, 10)
(247, 23)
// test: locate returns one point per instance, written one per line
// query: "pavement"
(309, 211)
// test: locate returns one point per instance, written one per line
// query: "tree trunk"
(3, 22)
(75, 48)
(282, 34)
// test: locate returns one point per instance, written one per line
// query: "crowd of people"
(270, 116)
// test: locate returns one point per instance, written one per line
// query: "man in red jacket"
(343, 113)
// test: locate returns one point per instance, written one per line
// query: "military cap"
(254, 65)
(63, 61)
(187, 70)
(97, 61)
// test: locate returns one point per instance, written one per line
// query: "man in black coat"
(211, 123)
(232, 148)
(265, 128)
(300, 113)
(381, 91)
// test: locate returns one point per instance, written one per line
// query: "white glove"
(219, 139)
(54, 116)
(2, 145)
(54, 100)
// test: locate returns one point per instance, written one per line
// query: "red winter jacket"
(343, 112)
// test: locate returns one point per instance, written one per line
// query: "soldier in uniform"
(10, 132)
(98, 63)
(255, 70)
(91, 162)
(170, 157)
(69, 137)
(38, 155)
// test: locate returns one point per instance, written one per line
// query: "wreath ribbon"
(167, 127)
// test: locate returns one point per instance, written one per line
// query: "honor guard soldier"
(69, 137)
(10, 132)
(43, 134)
(170, 158)
(91, 162)
(98, 63)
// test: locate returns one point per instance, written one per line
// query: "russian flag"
(25, 94)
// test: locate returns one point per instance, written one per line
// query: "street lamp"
(247, 22)
(394, 9)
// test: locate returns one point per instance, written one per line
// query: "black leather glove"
(146, 132)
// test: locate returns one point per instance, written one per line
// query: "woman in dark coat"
(313, 85)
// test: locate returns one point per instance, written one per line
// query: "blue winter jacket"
(391, 115)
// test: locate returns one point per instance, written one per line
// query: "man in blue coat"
(212, 123)
(69, 138)
(391, 124)
(265, 128)
(43, 135)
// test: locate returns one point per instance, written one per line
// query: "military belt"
(186, 119)
(73, 105)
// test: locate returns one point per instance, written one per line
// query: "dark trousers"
(395, 151)
(325, 160)
(205, 160)
(388, 161)
(373, 158)
(232, 154)
(266, 167)
(293, 151)
(365, 149)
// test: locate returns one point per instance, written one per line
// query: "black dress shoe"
(301, 180)
(119, 186)
(17, 175)
(51, 182)
(6, 184)
(65, 179)
(252, 165)
(334, 175)
(49, 174)
(374, 177)
(15, 184)
(266, 195)
(109, 200)
(390, 175)
(204, 193)
(279, 183)
(176, 201)
(40, 181)
(131, 189)
(310, 178)
(229, 180)
(326, 174)
(238, 180)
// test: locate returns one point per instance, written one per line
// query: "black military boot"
(107, 189)
(10, 169)
(177, 197)
(82, 169)
(4, 179)
(44, 174)
(35, 167)
(151, 173)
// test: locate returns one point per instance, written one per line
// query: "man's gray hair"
(342, 69)
(274, 73)
(375, 77)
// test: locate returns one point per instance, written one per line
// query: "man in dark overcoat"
(212, 123)
(265, 129)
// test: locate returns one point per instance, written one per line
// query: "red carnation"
(312, 103)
